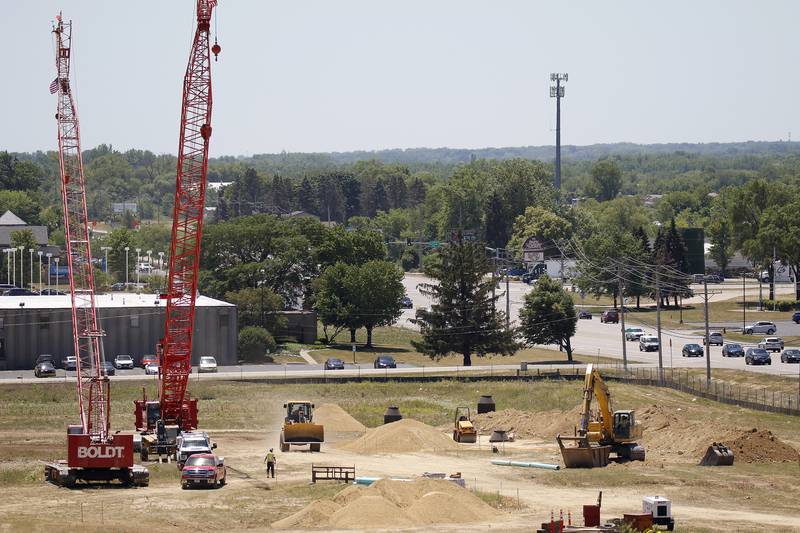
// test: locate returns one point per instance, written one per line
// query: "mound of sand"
(336, 419)
(756, 446)
(527, 425)
(406, 435)
(370, 511)
(310, 516)
(392, 504)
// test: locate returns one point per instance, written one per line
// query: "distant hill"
(450, 156)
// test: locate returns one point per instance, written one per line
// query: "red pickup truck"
(203, 469)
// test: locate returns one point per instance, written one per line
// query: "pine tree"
(416, 192)
(398, 192)
(282, 193)
(306, 197)
(462, 319)
(222, 212)
(378, 199)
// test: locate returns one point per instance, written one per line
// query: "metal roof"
(102, 301)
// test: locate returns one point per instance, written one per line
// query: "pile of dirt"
(336, 419)
(310, 516)
(392, 504)
(527, 425)
(403, 436)
(756, 446)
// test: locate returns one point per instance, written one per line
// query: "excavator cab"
(623, 422)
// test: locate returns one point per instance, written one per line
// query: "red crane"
(175, 349)
(93, 453)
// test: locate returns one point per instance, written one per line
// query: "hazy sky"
(335, 75)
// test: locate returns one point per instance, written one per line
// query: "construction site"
(585, 454)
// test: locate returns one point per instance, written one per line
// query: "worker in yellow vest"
(270, 460)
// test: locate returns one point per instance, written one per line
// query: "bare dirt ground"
(746, 497)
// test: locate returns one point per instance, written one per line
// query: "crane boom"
(187, 221)
(87, 337)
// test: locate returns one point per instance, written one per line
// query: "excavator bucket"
(717, 455)
(582, 455)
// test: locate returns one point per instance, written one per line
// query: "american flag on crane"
(54, 86)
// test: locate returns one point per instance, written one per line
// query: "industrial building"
(133, 325)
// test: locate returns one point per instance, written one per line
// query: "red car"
(204, 469)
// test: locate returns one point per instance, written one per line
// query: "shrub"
(782, 305)
(254, 342)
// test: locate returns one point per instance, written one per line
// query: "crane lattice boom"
(87, 337)
(187, 221)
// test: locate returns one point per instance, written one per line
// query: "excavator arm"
(594, 386)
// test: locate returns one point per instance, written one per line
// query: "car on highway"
(118, 287)
(648, 343)
(207, 364)
(406, 303)
(107, 368)
(796, 317)
(732, 350)
(149, 358)
(633, 333)
(333, 363)
(17, 291)
(41, 358)
(610, 316)
(45, 369)
(52, 292)
(70, 362)
(203, 469)
(713, 279)
(791, 355)
(385, 361)
(771, 344)
(714, 338)
(762, 326)
(692, 350)
(151, 369)
(516, 272)
(123, 361)
(757, 356)
(585, 315)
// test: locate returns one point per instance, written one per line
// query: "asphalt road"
(594, 338)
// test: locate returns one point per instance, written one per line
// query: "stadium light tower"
(557, 92)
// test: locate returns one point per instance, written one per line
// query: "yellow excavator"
(463, 428)
(597, 437)
(299, 428)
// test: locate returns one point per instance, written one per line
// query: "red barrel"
(591, 515)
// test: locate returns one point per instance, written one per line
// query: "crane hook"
(216, 49)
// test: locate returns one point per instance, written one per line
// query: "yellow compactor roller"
(463, 428)
(299, 428)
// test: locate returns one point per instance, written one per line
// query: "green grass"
(723, 311)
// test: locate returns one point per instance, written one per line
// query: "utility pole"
(557, 92)
(744, 305)
(508, 303)
(708, 346)
(622, 322)
(658, 323)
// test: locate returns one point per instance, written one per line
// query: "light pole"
(14, 266)
(49, 255)
(138, 258)
(21, 266)
(557, 92)
(126, 266)
(161, 260)
(150, 261)
(8, 265)
(39, 253)
(57, 272)
(30, 250)
(106, 249)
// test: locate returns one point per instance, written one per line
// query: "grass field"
(724, 311)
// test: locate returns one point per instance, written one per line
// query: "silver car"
(762, 326)
(771, 344)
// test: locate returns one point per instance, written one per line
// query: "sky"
(341, 75)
